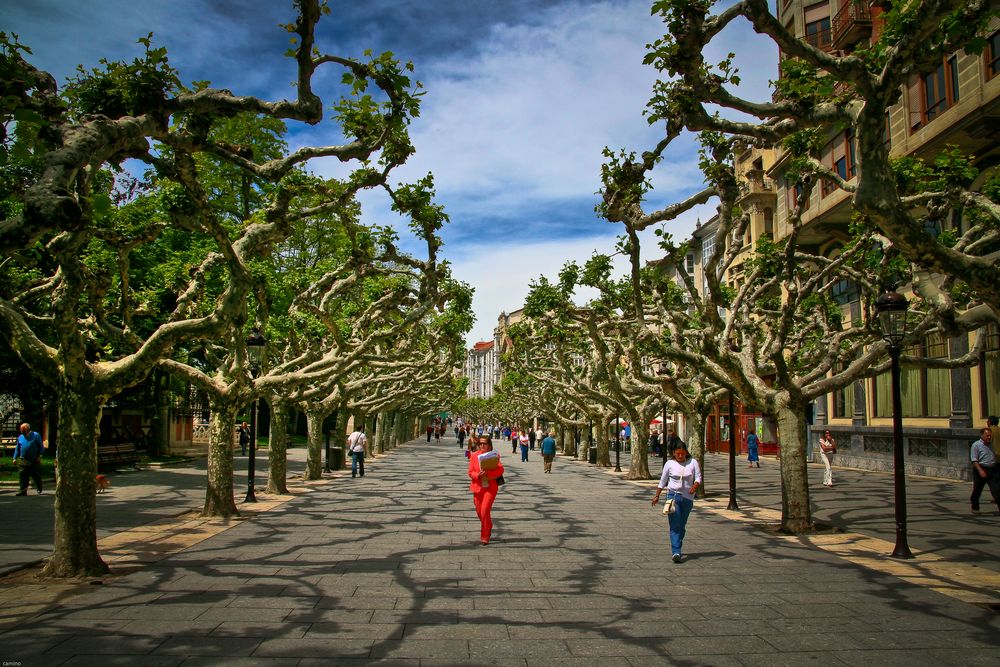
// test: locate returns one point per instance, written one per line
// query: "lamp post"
(618, 445)
(664, 372)
(732, 457)
(255, 349)
(891, 308)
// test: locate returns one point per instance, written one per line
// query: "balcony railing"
(852, 23)
(821, 39)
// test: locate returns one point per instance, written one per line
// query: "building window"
(689, 264)
(989, 372)
(993, 55)
(793, 198)
(839, 156)
(941, 89)
(844, 292)
(843, 399)
(925, 392)
(817, 18)
(769, 222)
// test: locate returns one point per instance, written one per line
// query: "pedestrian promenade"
(388, 569)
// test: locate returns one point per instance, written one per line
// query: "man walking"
(356, 446)
(28, 456)
(244, 438)
(984, 469)
(531, 439)
(548, 448)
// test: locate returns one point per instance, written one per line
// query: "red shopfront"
(717, 429)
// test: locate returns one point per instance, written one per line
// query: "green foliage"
(125, 89)
(951, 168)
(803, 84)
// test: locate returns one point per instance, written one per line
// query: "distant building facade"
(481, 369)
(958, 105)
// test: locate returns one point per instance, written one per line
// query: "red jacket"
(474, 471)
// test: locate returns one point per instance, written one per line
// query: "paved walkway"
(388, 569)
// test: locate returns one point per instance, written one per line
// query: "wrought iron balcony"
(852, 24)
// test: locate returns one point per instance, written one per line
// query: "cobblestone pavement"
(388, 569)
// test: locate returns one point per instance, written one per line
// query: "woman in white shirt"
(681, 478)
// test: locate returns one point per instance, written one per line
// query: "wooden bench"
(111, 456)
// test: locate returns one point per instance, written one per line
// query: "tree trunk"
(370, 422)
(314, 451)
(795, 514)
(569, 444)
(584, 452)
(640, 449)
(696, 447)
(277, 457)
(219, 500)
(604, 446)
(567, 440)
(74, 551)
(381, 444)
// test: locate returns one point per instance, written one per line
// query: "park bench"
(111, 456)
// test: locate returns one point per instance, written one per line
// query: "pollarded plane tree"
(820, 93)
(561, 352)
(561, 356)
(777, 339)
(611, 348)
(405, 372)
(403, 296)
(70, 308)
(532, 379)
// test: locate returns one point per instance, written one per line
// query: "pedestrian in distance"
(356, 442)
(654, 443)
(523, 440)
(28, 457)
(460, 434)
(539, 434)
(430, 432)
(244, 431)
(548, 448)
(484, 488)
(513, 441)
(984, 469)
(827, 448)
(753, 448)
(531, 439)
(681, 478)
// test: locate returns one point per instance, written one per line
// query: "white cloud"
(526, 119)
(501, 275)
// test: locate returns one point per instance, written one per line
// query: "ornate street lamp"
(733, 505)
(618, 445)
(664, 372)
(891, 308)
(255, 350)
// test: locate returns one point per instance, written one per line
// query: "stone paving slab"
(388, 570)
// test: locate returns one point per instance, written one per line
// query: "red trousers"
(484, 504)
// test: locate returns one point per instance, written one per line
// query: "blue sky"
(522, 95)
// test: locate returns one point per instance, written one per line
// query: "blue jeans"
(678, 521)
(524, 452)
(357, 461)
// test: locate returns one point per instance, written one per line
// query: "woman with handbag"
(681, 478)
(827, 448)
(484, 487)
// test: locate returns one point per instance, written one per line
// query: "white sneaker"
(676, 558)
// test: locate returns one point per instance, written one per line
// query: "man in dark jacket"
(28, 455)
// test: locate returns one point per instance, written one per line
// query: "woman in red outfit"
(484, 488)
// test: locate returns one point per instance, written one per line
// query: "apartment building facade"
(958, 105)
